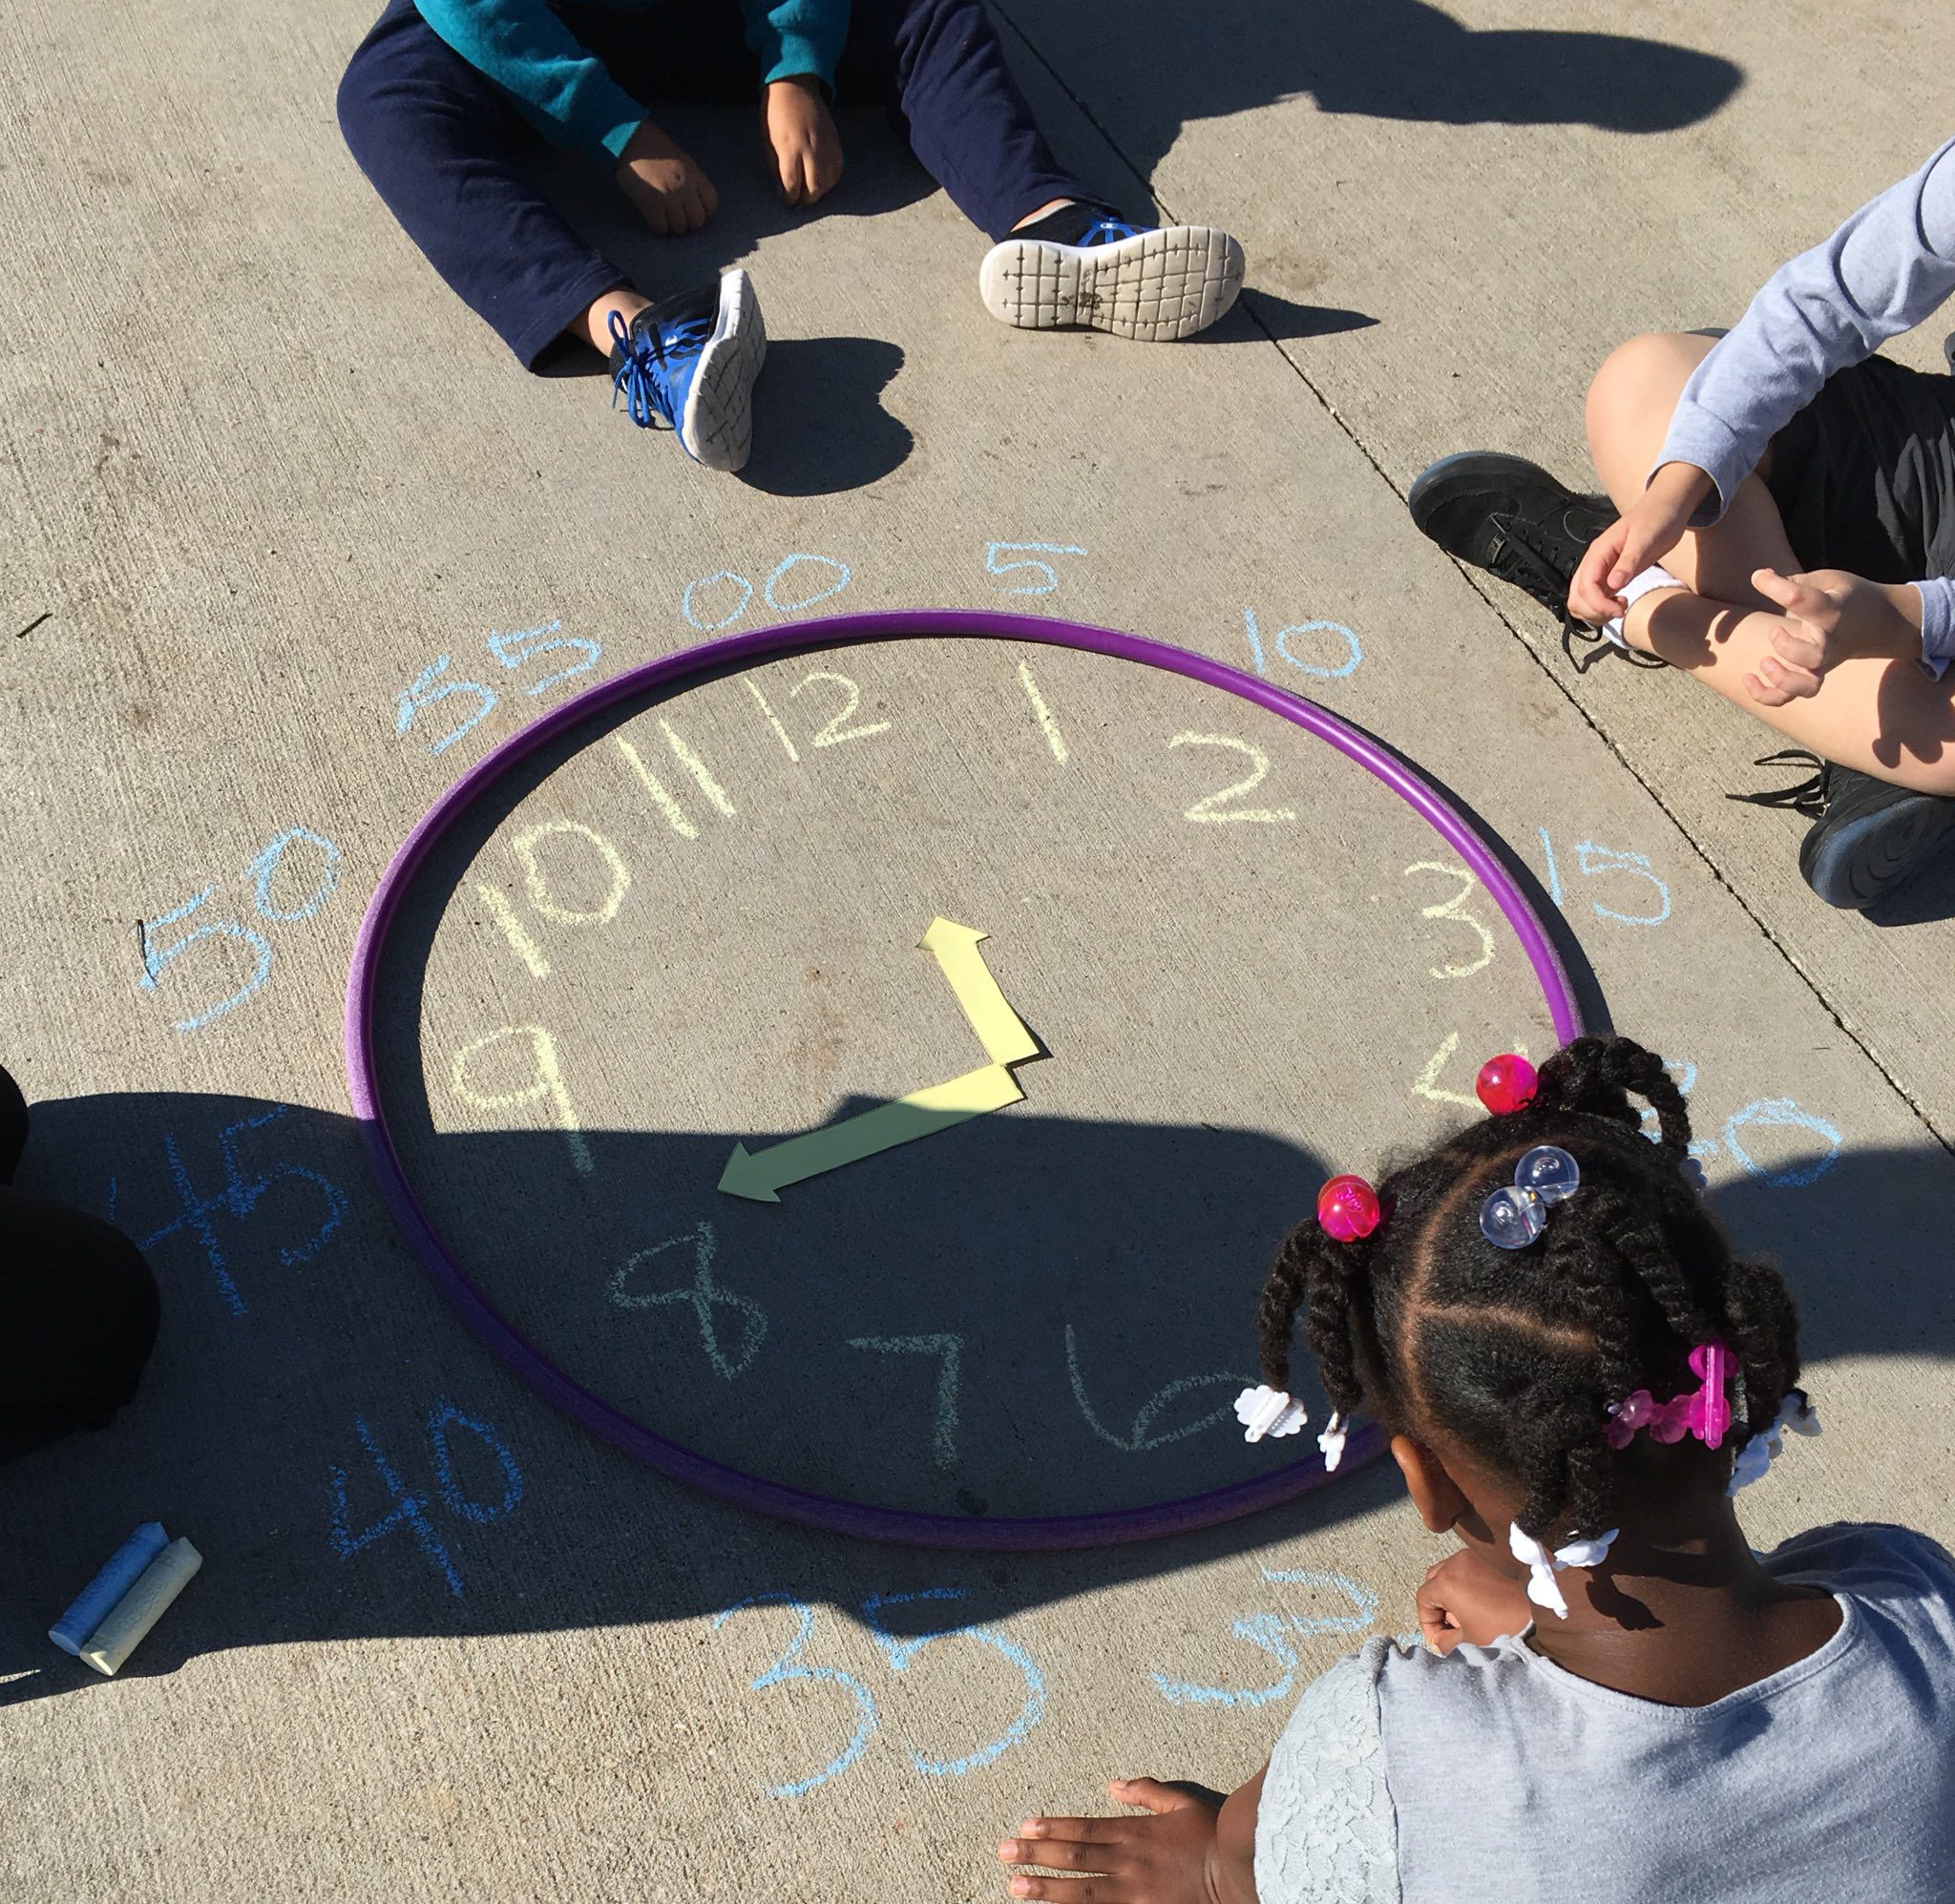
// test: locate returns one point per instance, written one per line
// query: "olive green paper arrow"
(760, 1176)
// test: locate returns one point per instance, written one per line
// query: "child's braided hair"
(1516, 1354)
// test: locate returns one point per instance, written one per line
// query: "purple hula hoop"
(684, 1464)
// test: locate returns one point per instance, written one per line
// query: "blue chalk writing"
(239, 1198)
(1269, 1633)
(994, 567)
(409, 1509)
(1763, 1114)
(157, 959)
(726, 621)
(515, 649)
(900, 1652)
(525, 644)
(262, 869)
(789, 1666)
(427, 690)
(1258, 1629)
(1348, 664)
(1255, 642)
(1781, 1113)
(1595, 862)
(843, 577)
(440, 1419)
(838, 577)
(1554, 877)
(1364, 1603)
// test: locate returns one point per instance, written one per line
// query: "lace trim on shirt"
(1326, 1832)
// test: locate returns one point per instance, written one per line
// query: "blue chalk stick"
(70, 1632)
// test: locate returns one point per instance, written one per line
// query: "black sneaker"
(1868, 837)
(1511, 517)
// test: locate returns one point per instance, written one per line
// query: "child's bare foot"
(664, 183)
(1164, 1858)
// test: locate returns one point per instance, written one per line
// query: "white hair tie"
(1267, 1410)
(1543, 1566)
(1330, 1442)
(1765, 1447)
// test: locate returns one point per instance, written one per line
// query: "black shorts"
(1864, 476)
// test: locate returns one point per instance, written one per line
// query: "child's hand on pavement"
(1829, 614)
(1653, 526)
(1161, 1858)
(1463, 1598)
(664, 183)
(801, 136)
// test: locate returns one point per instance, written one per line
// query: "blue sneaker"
(689, 362)
(1083, 266)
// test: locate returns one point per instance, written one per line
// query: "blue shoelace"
(643, 361)
(636, 373)
(1111, 231)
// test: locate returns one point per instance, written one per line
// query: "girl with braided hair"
(1616, 1698)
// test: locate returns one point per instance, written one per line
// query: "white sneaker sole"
(717, 426)
(1161, 285)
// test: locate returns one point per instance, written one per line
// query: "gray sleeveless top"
(1493, 1777)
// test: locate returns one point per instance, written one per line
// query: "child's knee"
(1639, 383)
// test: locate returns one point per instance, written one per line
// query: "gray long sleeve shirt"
(1882, 272)
(1493, 1777)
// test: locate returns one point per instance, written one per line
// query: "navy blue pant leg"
(938, 64)
(444, 149)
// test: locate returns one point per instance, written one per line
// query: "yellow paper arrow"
(760, 1175)
(999, 1029)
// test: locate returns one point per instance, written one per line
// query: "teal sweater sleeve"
(564, 91)
(794, 37)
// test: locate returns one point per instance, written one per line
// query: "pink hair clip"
(1348, 1209)
(1705, 1413)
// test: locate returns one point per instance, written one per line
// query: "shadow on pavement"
(822, 426)
(1381, 59)
(354, 1465)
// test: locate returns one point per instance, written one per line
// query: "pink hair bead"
(1507, 1084)
(1347, 1208)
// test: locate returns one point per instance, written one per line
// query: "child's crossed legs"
(1877, 710)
